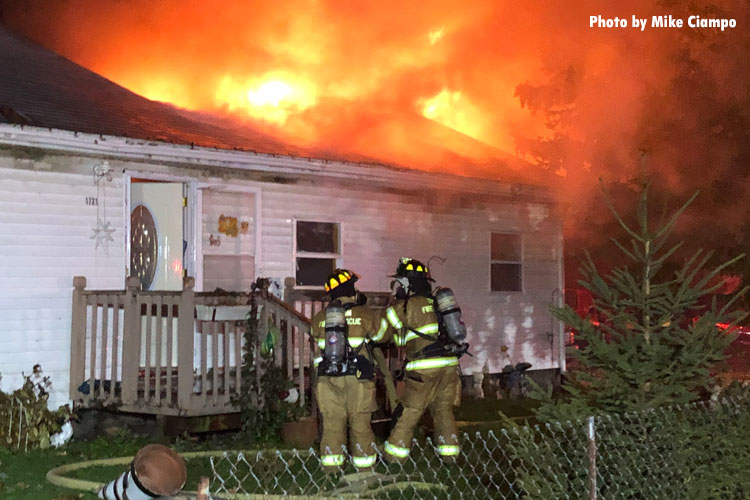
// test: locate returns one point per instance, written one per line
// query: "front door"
(156, 234)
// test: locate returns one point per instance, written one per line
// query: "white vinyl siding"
(46, 230)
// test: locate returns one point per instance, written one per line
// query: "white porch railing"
(174, 352)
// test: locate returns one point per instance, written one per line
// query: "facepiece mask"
(400, 288)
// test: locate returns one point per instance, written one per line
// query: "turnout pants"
(346, 400)
(436, 389)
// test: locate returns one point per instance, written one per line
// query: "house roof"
(43, 89)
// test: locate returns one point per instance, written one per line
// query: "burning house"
(101, 183)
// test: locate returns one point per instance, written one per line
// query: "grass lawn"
(22, 475)
(480, 410)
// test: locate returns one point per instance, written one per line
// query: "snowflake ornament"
(102, 234)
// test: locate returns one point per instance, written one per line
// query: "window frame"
(519, 262)
(338, 257)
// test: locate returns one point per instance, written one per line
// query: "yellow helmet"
(338, 278)
(412, 268)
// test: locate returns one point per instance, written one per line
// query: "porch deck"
(176, 352)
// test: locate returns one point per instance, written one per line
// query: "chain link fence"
(699, 451)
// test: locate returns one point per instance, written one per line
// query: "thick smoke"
(452, 85)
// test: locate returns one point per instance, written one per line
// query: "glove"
(461, 349)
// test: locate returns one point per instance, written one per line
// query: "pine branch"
(668, 227)
(643, 212)
(659, 262)
(619, 219)
(733, 300)
(637, 251)
(624, 250)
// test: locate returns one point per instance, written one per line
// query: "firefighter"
(433, 341)
(344, 331)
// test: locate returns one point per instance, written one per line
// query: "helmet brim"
(351, 280)
(398, 276)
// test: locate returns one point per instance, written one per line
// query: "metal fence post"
(592, 458)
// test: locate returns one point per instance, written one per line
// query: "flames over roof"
(41, 88)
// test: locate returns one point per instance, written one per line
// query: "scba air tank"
(335, 349)
(450, 313)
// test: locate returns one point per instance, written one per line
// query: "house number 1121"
(92, 200)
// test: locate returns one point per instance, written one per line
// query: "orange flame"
(451, 109)
(387, 82)
(428, 84)
(271, 98)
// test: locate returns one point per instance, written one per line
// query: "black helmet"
(338, 277)
(411, 269)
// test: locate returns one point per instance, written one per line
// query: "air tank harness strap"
(362, 367)
(434, 355)
(365, 368)
(441, 346)
(435, 349)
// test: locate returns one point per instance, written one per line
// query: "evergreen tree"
(654, 342)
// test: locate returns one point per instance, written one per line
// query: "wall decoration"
(102, 232)
(144, 246)
(228, 225)
(230, 215)
(214, 242)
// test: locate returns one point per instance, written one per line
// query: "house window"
(506, 262)
(318, 247)
(228, 239)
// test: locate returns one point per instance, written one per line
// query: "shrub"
(25, 421)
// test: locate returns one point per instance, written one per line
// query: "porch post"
(289, 283)
(185, 344)
(131, 341)
(77, 337)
